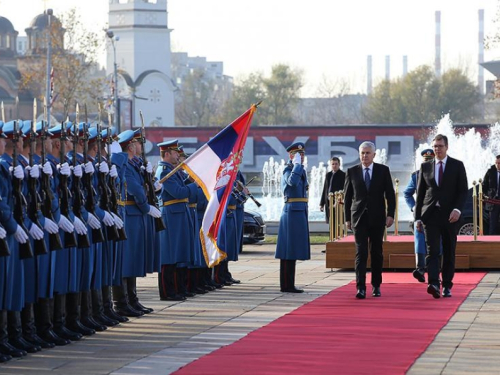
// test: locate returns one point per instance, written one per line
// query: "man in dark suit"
(334, 181)
(491, 188)
(367, 188)
(441, 195)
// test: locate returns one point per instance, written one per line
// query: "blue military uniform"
(293, 233)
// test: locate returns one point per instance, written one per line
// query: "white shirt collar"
(444, 160)
(370, 167)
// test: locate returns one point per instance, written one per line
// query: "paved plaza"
(178, 333)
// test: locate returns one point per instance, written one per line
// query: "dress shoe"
(5, 358)
(376, 291)
(88, 321)
(104, 320)
(22, 344)
(67, 334)
(78, 327)
(112, 314)
(51, 336)
(140, 307)
(127, 310)
(433, 290)
(174, 297)
(199, 290)
(36, 340)
(292, 290)
(187, 294)
(446, 292)
(234, 281)
(8, 349)
(361, 294)
(417, 274)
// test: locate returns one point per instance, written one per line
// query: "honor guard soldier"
(293, 233)
(136, 210)
(177, 241)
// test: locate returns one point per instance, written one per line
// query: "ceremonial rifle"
(64, 193)
(97, 235)
(46, 190)
(148, 180)
(104, 190)
(113, 198)
(20, 203)
(78, 202)
(4, 247)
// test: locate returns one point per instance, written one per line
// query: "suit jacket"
(451, 193)
(490, 182)
(332, 186)
(359, 201)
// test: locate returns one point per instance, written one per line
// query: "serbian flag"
(214, 167)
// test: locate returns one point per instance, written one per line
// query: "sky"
(325, 39)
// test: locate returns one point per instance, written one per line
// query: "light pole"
(49, 64)
(116, 101)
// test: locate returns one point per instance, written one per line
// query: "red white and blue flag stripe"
(214, 167)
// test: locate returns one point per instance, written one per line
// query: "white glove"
(114, 148)
(148, 168)
(18, 173)
(108, 219)
(35, 232)
(80, 228)
(64, 169)
(297, 159)
(93, 222)
(20, 235)
(77, 171)
(3, 233)
(34, 171)
(47, 169)
(89, 168)
(113, 172)
(158, 186)
(153, 211)
(118, 221)
(65, 224)
(50, 226)
(103, 167)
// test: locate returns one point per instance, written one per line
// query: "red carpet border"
(337, 334)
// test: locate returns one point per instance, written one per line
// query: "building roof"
(6, 26)
(42, 20)
(493, 67)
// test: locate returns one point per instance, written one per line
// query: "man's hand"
(419, 225)
(321, 208)
(389, 221)
(454, 216)
(349, 226)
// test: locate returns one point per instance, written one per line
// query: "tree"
(421, 97)
(74, 60)
(282, 93)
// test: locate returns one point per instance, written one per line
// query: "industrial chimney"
(437, 62)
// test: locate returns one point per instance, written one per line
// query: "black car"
(254, 227)
(466, 218)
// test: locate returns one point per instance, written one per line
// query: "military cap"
(105, 133)
(183, 153)
(55, 131)
(8, 128)
(169, 145)
(428, 153)
(126, 137)
(1, 132)
(296, 147)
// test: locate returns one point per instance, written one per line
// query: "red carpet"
(338, 334)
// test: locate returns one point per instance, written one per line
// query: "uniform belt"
(192, 205)
(293, 200)
(126, 203)
(174, 201)
(231, 207)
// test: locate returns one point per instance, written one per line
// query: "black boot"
(60, 320)
(4, 336)
(193, 284)
(28, 325)
(8, 322)
(181, 282)
(133, 299)
(16, 333)
(98, 309)
(210, 278)
(168, 290)
(120, 300)
(73, 315)
(290, 277)
(87, 318)
(107, 303)
(203, 282)
(229, 276)
(29, 329)
(44, 323)
(219, 276)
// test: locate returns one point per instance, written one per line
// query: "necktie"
(440, 173)
(367, 178)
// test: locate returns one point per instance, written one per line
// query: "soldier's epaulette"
(414, 173)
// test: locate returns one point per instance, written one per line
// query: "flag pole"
(173, 171)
